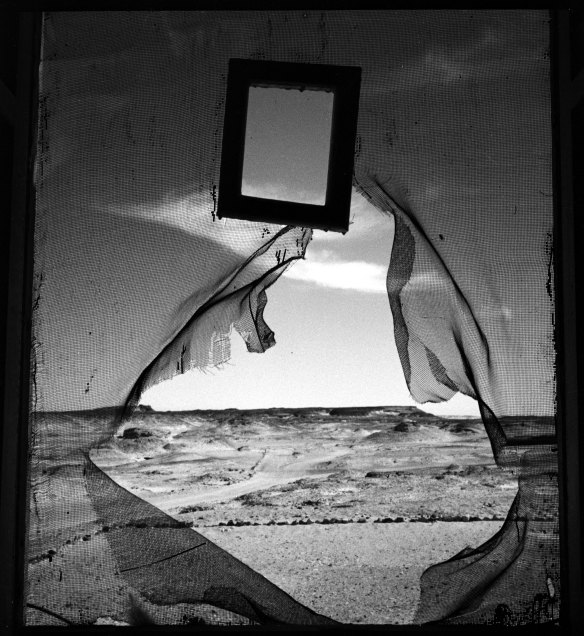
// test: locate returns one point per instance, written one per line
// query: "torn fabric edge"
(240, 302)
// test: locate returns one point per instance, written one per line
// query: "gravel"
(328, 567)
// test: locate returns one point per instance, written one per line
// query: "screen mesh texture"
(136, 280)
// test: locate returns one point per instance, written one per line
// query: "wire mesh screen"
(137, 281)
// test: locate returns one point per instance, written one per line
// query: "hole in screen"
(287, 144)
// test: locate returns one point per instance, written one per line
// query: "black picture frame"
(345, 83)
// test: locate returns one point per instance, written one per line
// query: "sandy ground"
(357, 573)
(341, 508)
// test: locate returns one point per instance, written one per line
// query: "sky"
(454, 115)
(334, 335)
(330, 312)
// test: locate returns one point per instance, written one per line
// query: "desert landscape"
(342, 508)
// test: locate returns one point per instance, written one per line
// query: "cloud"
(323, 269)
(442, 68)
(357, 261)
(428, 281)
(503, 43)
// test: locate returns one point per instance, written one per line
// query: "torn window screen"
(139, 281)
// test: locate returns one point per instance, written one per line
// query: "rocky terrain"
(343, 509)
(303, 466)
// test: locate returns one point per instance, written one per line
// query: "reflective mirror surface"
(287, 144)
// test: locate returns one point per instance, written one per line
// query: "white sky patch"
(428, 282)
(324, 270)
